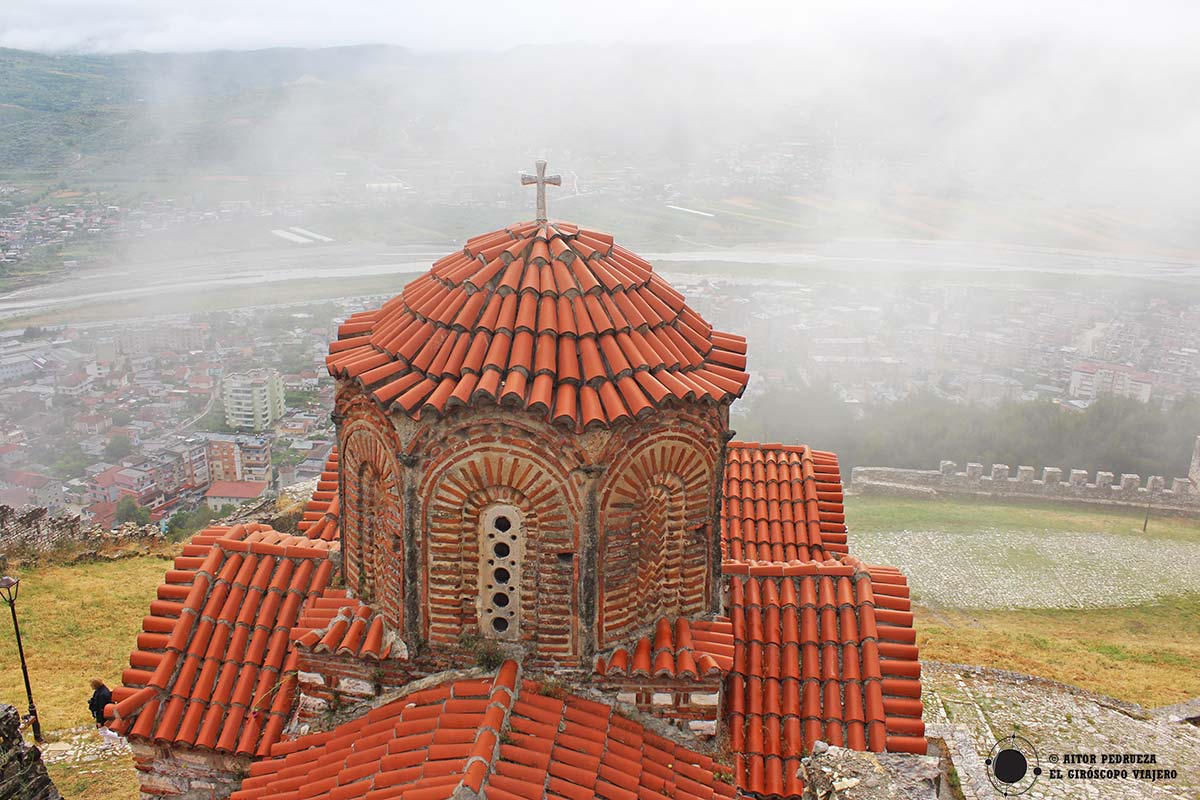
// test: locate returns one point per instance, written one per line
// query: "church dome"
(544, 316)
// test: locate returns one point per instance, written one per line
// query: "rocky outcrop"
(23, 776)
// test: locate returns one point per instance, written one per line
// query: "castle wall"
(1076, 485)
(34, 530)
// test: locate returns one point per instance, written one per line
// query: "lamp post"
(8, 592)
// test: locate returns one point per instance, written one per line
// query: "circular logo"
(1012, 766)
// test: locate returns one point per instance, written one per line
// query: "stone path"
(80, 746)
(1034, 569)
(972, 708)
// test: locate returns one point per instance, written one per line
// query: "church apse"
(373, 532)
(502, 551)
(657, 523)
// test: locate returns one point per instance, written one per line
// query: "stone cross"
(541, 179)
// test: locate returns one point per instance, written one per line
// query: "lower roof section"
(499, 737)
(214, 667)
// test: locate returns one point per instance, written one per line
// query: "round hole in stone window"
(501, 550)
(499, 624)
(500, 599)
(501, 575)
(502, 523)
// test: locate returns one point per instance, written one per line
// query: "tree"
(128, 510)
(118, 447)
(121, 418)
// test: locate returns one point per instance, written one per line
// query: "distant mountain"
(933, 141)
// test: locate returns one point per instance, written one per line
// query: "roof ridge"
(485, 749)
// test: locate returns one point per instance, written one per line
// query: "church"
(536, 566)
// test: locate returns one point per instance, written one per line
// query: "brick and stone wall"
(692, 705)
(1000, 481)
(419, 500)
(178, 773)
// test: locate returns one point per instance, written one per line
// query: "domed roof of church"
(544, 316)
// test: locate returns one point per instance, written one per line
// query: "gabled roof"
(239, 489)
(450, 740)
(545, 316)
(215, 666)
(829, 655)
(782, 503)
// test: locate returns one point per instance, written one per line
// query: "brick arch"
(373, 511)
(657, 507)
(456, 489)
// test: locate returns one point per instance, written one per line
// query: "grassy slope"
(77, 623)
(1148, 654)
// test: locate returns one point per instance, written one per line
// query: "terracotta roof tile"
(680, 649)
(813, 660)
(338, 623)
(321, 513)
(498, 738)
(213, 668)
(782, 503)
(546, 301)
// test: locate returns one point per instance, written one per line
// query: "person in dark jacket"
(101, 696)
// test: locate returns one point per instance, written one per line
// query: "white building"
(253, 400)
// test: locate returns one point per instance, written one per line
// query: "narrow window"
(500, 553)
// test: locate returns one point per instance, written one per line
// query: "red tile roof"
(451, 740)
(828, 656)
(214, 666)
(781, 503)
(548, 317)
(241, 489)
(320, 518)
(683, 649)
(338, 623)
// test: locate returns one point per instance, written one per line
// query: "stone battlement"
(1053, 483)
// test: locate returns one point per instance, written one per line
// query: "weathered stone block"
(706, 699)
(974, 471)
(1079, 477)
(1104, 480)
(1181, 486)
(948, 467)
(1130, 482)
(999, 472)
(1025, 474)
(1156, 483)
(1051, 475)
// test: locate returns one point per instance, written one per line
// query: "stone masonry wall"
(33, 529)
(1076, 485)
(182, 774)
(22, 774)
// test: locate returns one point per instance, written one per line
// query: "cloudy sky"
(186, 25)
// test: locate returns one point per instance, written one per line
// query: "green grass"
(959, 515)
(77, 623)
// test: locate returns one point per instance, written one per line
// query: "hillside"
(810, 144)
